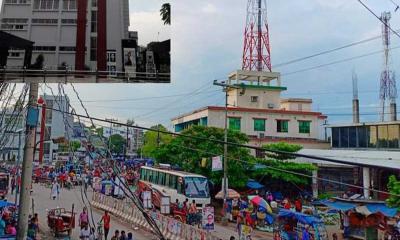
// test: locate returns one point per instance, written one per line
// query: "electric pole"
(31, 122)
(226, 88)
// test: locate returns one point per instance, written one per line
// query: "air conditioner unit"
(271, 105)
(261, 135)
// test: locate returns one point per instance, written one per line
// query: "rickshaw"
(294, 225)
(59, 220)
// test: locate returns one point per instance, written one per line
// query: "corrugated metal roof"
(383, 159)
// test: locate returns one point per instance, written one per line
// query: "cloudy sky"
(207, 42)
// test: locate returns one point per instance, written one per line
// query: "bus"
(174, 184)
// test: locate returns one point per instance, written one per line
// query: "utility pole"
(127, 142)
(226, 88)
(23, 211)
(18, 161)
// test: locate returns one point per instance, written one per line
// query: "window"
(46, 148)
(234, 123)
(254, 98)
(393, 131)
(67, 49)
(161, 178)
(196, 187)
(47, 133)
(11, 1)
(68, 21)
(44, 48)
(44, 21)
(93, 25)
(14, 54)
(172, 181)
(46, 4)
(94, 3)
(282, 126)
(49, 111)
(259, 125)
(69, 4)
(93, 48)
(304, 126)
(111, 56)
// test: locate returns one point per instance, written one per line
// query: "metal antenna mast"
(256, 50)
(388, 81)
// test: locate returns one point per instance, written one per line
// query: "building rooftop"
(241, 109)
(362, 124)
(300, 100)
(381, 159)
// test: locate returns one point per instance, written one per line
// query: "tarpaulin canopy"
(253, 184)
(301, 217)
(342, 206)
(5, 204)
(372, 208)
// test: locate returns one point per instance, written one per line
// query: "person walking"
(106, 220)
(84, 218)
(12, 184)
(55, 190)
(85, 233)
(130, 236)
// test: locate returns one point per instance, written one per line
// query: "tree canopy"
(188, 152)
(394, 188)
(165, 13)
(117, 143)
(153, 139)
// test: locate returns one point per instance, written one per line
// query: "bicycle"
(99, 231)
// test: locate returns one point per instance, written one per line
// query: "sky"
(207, 43)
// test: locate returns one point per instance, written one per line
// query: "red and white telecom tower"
(256, 50)
(388, 81)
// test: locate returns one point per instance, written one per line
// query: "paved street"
(42, 202)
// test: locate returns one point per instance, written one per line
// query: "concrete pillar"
(315, 184)
(393, 111)
(356, 111)
(366, 182)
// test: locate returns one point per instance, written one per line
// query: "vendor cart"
(61, 221)
(293, 225)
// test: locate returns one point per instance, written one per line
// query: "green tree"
(165, 13)
(188, 152)
(276, 166)
(394, 188)
(75, 145)
(153, 139)
(282, 147)
(117, 143)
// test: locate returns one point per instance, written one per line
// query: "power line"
(229, 143)
(296, 173)
(336, 62)
(325, 52)
(140, 99)
(372, 12)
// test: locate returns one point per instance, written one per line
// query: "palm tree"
(165, 13)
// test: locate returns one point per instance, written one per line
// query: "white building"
(12, 134)
(256, 108)
(135, 136)
(76, 33)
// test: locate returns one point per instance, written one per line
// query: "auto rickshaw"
(59, 220)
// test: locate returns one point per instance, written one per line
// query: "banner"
(208, 218)
(147, 199)
(216, 163)
(130, 62)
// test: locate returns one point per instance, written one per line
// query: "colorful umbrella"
(232, 194)
(259, 201)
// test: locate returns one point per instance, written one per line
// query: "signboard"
(147, 199)
(216, 163)
(130, 62)
(208, 218)
(165, 205)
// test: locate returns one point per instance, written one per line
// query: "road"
(42, 202)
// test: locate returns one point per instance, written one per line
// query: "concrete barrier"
(171, 228)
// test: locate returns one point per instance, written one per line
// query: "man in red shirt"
(106, 220)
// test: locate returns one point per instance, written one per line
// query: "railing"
(81, 76)
(170, 227)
